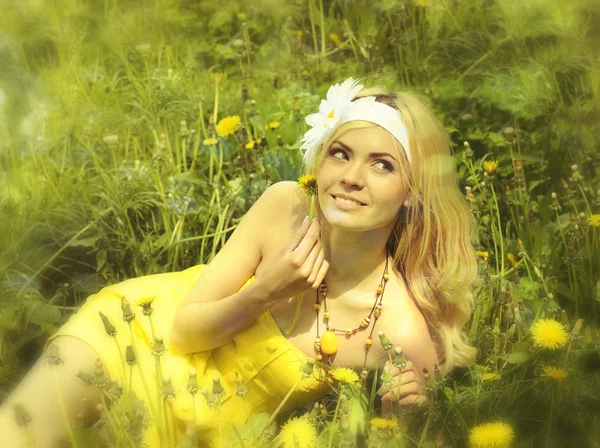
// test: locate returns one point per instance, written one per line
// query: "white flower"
(331, 111)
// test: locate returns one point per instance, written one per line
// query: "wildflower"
(335, 39)
(382, 423)
(53, 355)
(490, 376)
(168, 391)
(211, 399)
(273, 125)
(483, 254)
(495, 434)
(308, 368)
(345, 375)
(250, 144)
(489, 166)
(308, 184)
(111, 140)
(513, 260)
(128, 315)
(421, 3)
(297, 432)
(228, 125)
(548, 333)
(210, 141)
(146, 304)
(143, 49)
(218, 77)
(108, 327)
(240, 388)
(594, 220)
(398, 358)
(130, 355)
(386, 344)
(85, 377)
(217, 387)
(192, 384)
(158, 347)
(115, 390)
(21, 415)
(100, 379)
(242, 16)
(556, 373)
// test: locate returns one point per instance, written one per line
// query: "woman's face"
(350, 169)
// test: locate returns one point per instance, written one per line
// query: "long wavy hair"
(432, 242)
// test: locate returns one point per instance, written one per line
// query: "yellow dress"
(268, 363)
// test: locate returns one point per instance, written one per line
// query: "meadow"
(135, 135)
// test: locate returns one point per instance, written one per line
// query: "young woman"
(390, 251)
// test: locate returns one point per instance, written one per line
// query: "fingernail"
(305, 219)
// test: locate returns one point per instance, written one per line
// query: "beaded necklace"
(328, 344)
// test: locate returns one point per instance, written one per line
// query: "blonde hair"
(432, 248)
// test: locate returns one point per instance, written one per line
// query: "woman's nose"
(353, 175)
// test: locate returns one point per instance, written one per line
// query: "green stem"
(274, 414)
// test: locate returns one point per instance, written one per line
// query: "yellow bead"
(317, 306)
(329, 343)
(326, 314)
(319, 357)
(369, 341)
(386, 276)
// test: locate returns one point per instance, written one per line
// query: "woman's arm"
(215, 309)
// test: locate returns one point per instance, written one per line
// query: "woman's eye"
(387, 165)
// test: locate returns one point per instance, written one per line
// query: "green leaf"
(84, 242)
(44, 314)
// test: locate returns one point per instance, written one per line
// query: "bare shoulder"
(418, 346)
(291, 205)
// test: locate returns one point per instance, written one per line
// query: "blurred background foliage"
(107, 108)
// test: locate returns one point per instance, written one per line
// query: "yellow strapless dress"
(269, 364)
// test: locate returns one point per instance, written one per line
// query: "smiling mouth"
(348, 203)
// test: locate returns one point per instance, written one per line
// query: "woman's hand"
(410, 392)
(298, 267)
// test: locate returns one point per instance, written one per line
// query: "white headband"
(339, 108)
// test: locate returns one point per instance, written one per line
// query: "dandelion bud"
(564, 320)
(86, 378)
(308, 367)
(158, 347)
(168, 391)
(573, 167)
(398, 358)
(130, 355)
(99, 379)
(53, 355)
(509, 132)
(466, 144)
(240, 387)
(577, 328)
(116, 391)
(217, 387)
(386, 344)
(22, 417)
(108, 327)
(554, 195)
(192, 384)
(211, 400)
(128, 315)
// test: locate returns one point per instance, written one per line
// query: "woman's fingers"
(405, 379)
(403, 390)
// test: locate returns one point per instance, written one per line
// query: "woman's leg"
(39, 395)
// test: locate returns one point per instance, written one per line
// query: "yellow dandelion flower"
(298, 432)
(218, 77)
(548, 333)
(210, 141)
(273, 125)
(483, 254)
(258, 141)
(382, 423)
(490, 376)
(556, 373)
(421, 3)
(345, 375)
(336, 39)
(250, 145)
(228, 125)
(594, 220)
(242, 16)
(513, 260)
(495, 434)
(146, 304)
(489, 166)
(308, 184)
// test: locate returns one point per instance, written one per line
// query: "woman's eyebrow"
(372, 155)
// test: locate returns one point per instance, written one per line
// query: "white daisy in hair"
(331, 111)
